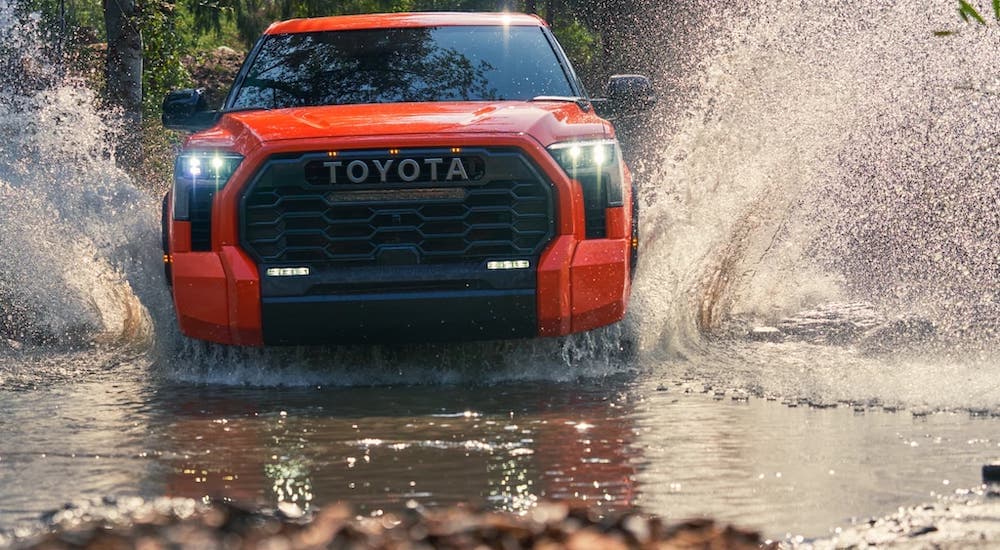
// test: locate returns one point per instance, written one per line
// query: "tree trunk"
(124, 76)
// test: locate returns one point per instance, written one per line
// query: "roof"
(403, 20)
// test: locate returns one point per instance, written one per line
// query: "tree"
(252, 16)
(123, 73)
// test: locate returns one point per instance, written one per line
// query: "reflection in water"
(505, 450)
(612, 444)
(290, 483)
(205, 461)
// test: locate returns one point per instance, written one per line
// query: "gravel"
(181, 523)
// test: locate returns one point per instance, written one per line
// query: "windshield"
(397, 65)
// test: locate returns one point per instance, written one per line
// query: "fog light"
(508, 264)
(287, 271)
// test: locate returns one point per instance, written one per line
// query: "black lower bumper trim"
(402, 317)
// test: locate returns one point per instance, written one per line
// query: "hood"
(546, 121)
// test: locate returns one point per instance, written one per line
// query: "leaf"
(966, 11)
(996, 9)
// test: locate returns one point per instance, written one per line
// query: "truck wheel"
(165, 241)
(634, 255)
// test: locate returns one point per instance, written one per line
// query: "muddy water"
(618, 442)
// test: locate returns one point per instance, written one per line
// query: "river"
(826, 170)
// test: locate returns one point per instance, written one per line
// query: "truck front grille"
(298, 210)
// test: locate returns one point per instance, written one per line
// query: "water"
(614, 444)
(820, 166)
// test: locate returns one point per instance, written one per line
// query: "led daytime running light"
(498, 265)
(287, 271)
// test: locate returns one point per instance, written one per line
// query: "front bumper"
(399, 317)
(578, 285)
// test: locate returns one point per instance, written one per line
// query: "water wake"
(594, 355)
(830, 152)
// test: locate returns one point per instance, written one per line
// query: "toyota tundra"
(401, 178)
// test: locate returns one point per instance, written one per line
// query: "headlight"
(198, 175)
(597, 166)
(593, 162)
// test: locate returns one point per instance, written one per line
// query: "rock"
(290, 510)
(920, 531)
(766, 334)
(991, 473)
(168, 523)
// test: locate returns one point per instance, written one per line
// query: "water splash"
(829, 152)
(74, 231)
(839, 147)
(598, 354)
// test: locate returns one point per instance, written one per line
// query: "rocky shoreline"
(969, 520)
(181, 523)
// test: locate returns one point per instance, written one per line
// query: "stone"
(766, 334)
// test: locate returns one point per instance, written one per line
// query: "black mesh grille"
(507, 211)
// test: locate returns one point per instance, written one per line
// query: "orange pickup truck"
(401, 178)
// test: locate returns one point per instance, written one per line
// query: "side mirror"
(187, 110)
(628, 94)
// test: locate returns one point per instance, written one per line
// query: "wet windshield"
(481, 63)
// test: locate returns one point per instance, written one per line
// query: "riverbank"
(965, 520)
(182, 523)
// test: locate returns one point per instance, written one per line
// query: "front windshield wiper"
(581, 102)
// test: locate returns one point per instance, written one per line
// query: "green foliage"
(163, 45)
(251, 17)
(172, 29)
(238, 23)
(970, 14)
(579, 43)
(84, 18)
(162, 50)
